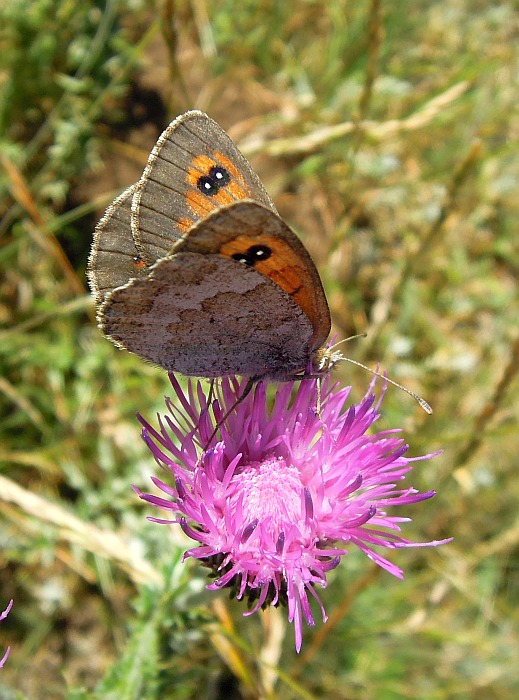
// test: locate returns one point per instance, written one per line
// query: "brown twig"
(491, 407)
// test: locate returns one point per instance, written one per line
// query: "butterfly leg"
(246, 391)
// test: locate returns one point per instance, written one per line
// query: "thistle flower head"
(274, 503)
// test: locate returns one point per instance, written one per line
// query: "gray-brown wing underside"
(209, 316)
(259, 225)
(161, 212)
(114, 258)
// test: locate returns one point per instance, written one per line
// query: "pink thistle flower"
(2, 617)
(274, 502)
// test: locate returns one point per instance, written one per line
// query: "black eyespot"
(208, 185)
(217, 178)
(220, 174)
(253, 255)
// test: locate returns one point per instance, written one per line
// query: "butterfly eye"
(253, 255)
(217, 178)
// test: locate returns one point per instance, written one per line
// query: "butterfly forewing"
(193, 169)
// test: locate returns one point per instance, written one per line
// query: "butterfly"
(193, 269)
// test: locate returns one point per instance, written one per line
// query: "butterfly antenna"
(337, 357)
(423, 403)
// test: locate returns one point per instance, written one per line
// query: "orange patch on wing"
(237, 186)
(201, 165)
(139, 263)
(284, 268)
(203, 204)
(200, 204)
(185, 223)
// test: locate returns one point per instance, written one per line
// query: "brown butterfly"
(193, 269)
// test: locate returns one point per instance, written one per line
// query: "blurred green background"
(387, 134)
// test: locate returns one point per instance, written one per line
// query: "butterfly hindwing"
(114, 259)
(215, 307)
(256, 237)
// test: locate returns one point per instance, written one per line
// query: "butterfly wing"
(193, 169)
(254, 236)
(173, 193)
(114, 258)
(239, 295)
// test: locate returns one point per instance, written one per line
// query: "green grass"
(387, 135)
